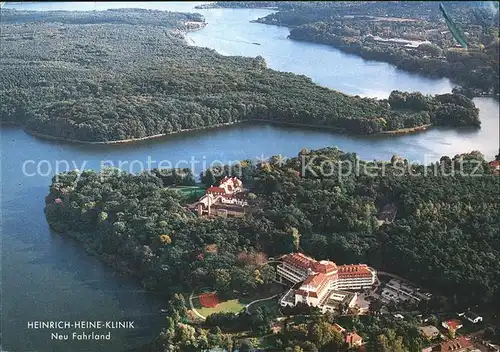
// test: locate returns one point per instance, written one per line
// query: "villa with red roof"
(322, 281)
(352, 339)
(228, 198)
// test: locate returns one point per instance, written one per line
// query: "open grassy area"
(190, 191)
(232, 306)
(239, 301)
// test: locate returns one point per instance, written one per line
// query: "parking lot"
(399, 291)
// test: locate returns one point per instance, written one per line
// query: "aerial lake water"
(46, 276)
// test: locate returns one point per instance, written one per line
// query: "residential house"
(473, 317)
(460, 344)
(430, 332)
(352, 339)
(388, 213)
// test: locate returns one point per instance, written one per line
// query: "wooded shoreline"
(421, 128)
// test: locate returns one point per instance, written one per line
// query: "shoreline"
(360, 54)
(128, 140)
(408, 130)
(113, 261)
(334, 129)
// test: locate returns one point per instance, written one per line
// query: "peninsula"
(128, 74)
(432, 226)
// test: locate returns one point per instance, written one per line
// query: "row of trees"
(78, 79)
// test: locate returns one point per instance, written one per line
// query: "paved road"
(193, 308)
(259, 300)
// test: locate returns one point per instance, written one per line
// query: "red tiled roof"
(215, 190)
(354, 270)
(458, 344)
(315, 280)
(299, 260)
(454, 324)
(324, 266)
(352, 338)
(336, 327)
(233, 179)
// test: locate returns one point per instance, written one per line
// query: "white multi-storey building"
(321, 279)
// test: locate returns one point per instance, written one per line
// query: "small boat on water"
(256, 43)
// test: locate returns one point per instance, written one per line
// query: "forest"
(445, 236)
(351, 26)
(128, 73)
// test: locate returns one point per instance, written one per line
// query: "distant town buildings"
(322, 282)
(226, 199)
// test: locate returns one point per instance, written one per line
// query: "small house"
(353, 339)
(473, 317)
(430, 332)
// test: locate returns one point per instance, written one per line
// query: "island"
(410, 35)
(128, 74)
(331, 252)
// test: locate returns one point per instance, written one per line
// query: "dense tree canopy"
(123, 74)
(445, 235)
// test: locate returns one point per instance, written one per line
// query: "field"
(236, 304)
(190, 191)
(231, 306)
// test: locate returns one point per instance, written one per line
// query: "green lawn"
(190, 191)
(236, 304)
(232, 306)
